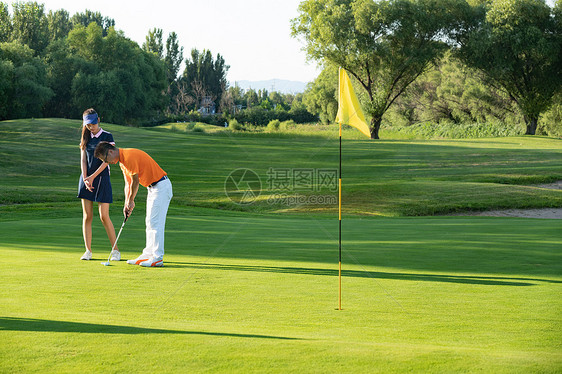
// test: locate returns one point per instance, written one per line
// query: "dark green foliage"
(174, 57)
(5, 23)
(87, 17)
(204, 77)
(320, 97)
(123, 83)
(154, 43)
(550, 123)
(56, 65)
(30, 25)
(23, 77)
(517, 45)
(59, 24)
(454, 93)
(385, 45)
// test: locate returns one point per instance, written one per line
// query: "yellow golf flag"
(349, 110)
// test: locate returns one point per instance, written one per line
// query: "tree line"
(411, 60)
(55, 65)
(423, 59)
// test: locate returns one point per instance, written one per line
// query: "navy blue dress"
(102, 192)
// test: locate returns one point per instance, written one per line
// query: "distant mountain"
(279, 85)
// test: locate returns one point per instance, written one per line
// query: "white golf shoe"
(115, 255)
(86, 256)
(152, 262)
(138, 260)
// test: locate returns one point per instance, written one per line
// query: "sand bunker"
(549, 213)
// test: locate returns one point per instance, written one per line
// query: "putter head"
(105, 263)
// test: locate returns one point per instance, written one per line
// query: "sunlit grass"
(258, 293)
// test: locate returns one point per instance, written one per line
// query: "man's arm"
(131, 189)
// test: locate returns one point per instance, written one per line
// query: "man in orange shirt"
(139, 168)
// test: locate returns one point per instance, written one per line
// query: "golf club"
(114, 244)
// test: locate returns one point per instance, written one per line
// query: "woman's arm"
(96, 173)
(84, 168)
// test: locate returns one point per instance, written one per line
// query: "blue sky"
(252, 35)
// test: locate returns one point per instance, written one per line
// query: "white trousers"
(157, 203)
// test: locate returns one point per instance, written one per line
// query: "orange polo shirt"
(134, 161)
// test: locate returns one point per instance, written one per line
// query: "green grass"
(39, 163)
(254, 289)
(248, 293)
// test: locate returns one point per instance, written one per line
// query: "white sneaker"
(138, 260)
(152, 262)
(115, 255)
(87, 255)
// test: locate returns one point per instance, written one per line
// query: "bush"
(234, 125)
(450, 130)
(550, 122)
(273, 125)
(198, 129)
(287, 125)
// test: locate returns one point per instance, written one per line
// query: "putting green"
(248, 293)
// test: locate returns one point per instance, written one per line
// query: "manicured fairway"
(250, 293)
(39, 163)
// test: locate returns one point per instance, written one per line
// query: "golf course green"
(254, 287)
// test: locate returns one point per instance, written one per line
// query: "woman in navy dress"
(95, 185)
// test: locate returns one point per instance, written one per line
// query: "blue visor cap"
(90, 118)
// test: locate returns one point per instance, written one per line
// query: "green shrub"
(198, 129)
(273, 125)
(449, 130)
(287, 125)
(234, 125)
(550, 122)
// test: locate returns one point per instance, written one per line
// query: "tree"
(233, 99)
(62, 67)
(23, 89)
(154, 42)
(59, 24)
(173, 60)
(174, 57)
(251, 98)
(517, 45)
(30, 25)
(5, 23)
(122, 81)
(320, 97)
(205, 76)
(385, 45)
(453, 92)
(88, 17)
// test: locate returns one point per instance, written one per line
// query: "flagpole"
(339, 201)
(339, 236)
(350, 113)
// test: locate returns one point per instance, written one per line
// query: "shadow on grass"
(44, 325)
(465, 279)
